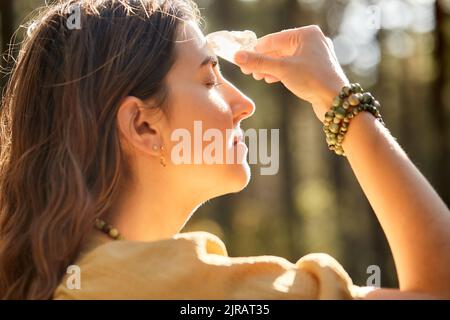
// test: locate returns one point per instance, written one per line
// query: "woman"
(87, 120)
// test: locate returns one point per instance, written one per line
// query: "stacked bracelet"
(351, 100)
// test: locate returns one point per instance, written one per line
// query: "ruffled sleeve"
(196, 265)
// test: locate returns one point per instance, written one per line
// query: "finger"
(329, 43)
(283, 41)
(274, 54)
(259, 63)
(331, 47)
(258, 76)
(246, 71)
(270, 79)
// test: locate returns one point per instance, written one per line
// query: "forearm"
(416, 221)
(414, 218)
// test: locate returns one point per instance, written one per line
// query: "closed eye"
(210, 60)
(211, 81)
(213, 84)
(213, 76)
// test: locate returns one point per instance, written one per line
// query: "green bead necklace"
(108, 229)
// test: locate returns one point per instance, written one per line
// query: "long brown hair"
(61, 163)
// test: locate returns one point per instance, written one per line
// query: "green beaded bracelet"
(350, 102)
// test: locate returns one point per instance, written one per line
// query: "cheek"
(207, 106)
(201, 114)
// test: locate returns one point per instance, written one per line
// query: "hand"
(303, 59)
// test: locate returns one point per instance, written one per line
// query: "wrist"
(325, 99)
(348, 103)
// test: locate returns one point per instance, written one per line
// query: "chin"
(230, 178)
(239, 177)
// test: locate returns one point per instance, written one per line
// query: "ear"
(139, 129)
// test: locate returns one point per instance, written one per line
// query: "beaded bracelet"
(350, 102)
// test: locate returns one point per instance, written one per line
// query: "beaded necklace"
(108, 229)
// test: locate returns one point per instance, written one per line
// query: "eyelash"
(213, 83)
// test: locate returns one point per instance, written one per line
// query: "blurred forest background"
(397, 49)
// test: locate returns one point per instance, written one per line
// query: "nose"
(242, 106)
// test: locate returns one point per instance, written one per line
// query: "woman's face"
(201, 99)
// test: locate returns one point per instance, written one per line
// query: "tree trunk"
(438, 105)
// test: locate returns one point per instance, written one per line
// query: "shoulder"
(204, 241)
(195, 265)
(105, 267)
(136, 254)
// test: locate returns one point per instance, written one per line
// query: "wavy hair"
(61, 163)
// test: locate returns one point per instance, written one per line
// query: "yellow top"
(195, 265)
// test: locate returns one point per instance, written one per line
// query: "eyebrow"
(209, 60)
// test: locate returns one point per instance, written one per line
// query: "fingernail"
(241, 57)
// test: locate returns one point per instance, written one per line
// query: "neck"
(152, 209)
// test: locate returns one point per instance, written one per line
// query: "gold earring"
(162, 160)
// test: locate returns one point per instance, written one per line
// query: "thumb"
(259, 63)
